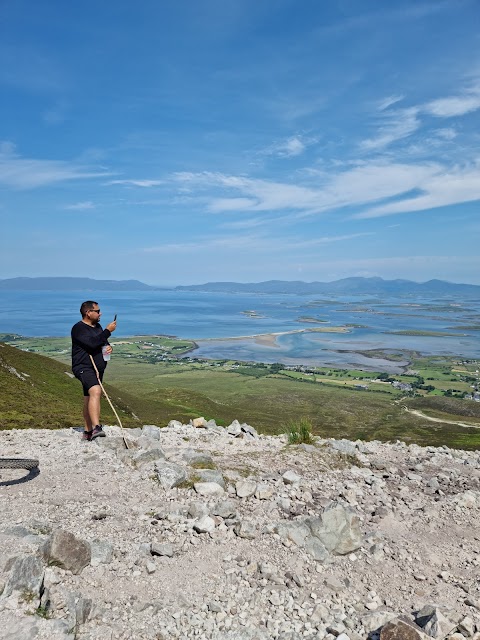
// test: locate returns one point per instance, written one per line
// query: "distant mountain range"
(368, 286)
(362, 286)
(72, 284)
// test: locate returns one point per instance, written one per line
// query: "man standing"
(88, 338)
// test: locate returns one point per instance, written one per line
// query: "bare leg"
(86, 415)
(94, 395)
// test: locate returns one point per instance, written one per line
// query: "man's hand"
(112, 326)
(108, 349)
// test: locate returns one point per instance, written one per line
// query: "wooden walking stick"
(109, 401)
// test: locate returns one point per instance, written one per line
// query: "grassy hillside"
(269, 403)
(38, 393)
(45, 396)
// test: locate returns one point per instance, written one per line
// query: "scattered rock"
(26, 576)
(245, 488)
(290, 477)
(206, 524)
(63, 549)
(165, 549)
(170, 474)
(341, 548)
(208, 489)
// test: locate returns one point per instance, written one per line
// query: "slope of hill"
(333, 539)
(72, 284)
(38, 392)
(368, 286)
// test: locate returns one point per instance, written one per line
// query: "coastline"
(270, 339)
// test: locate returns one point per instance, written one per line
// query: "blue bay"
(211, 318)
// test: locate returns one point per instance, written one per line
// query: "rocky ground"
(206, 532)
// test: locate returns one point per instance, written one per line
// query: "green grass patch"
(157, 391)
(300, 432)
(37, 392)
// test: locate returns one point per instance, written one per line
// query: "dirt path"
(420, 414)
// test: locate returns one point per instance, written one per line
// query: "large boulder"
(197, 458)
(102, 552)
(199, 423)
(336, 531)
(208, 489)
(151, 431)
(26, 575)
(245, 488)
(225, 509)
(401, 629)
(435, 621)
(148, 455)
(338, 528)
(296, 532)
(170, 474)
(209, 475)
(65, 550)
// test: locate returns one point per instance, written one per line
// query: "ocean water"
(211, 318)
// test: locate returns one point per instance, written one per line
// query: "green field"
(148, 378)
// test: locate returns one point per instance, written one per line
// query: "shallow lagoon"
(206, 317)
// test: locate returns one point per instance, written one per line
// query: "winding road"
(419, 414)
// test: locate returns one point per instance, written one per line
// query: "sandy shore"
(270, 339)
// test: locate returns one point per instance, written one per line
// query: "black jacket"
(88, 341)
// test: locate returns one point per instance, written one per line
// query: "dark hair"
(87, 306)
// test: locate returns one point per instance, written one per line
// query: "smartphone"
(115, 318)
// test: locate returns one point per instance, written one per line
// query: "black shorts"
(88, 378)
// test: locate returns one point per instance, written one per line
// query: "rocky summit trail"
(200, 531)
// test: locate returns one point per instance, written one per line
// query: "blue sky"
(198, 140)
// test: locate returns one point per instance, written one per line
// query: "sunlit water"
(205, 317)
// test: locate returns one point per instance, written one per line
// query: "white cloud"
(80, 206)
(438, 190)
(248, 242)
(365, 184)
(448, 133)
(452, 106)
(231, 204)
(137, 183)
(26, 173)
(398, 125)
(290, 147)
(388, 102)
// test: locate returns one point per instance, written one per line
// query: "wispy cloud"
(396, 125)
(137, 183)
(447, 133)
(364, 184)
(388, 102)
(28, 173)
(80, 206)
(290, 147)
(466, 102)
(438, 190)
(260, 242)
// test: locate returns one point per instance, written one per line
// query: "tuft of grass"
(27, 596)
(300, 432)
(203, 465)
(43, 612)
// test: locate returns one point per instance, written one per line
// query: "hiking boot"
(87, 435)
(98, 432)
